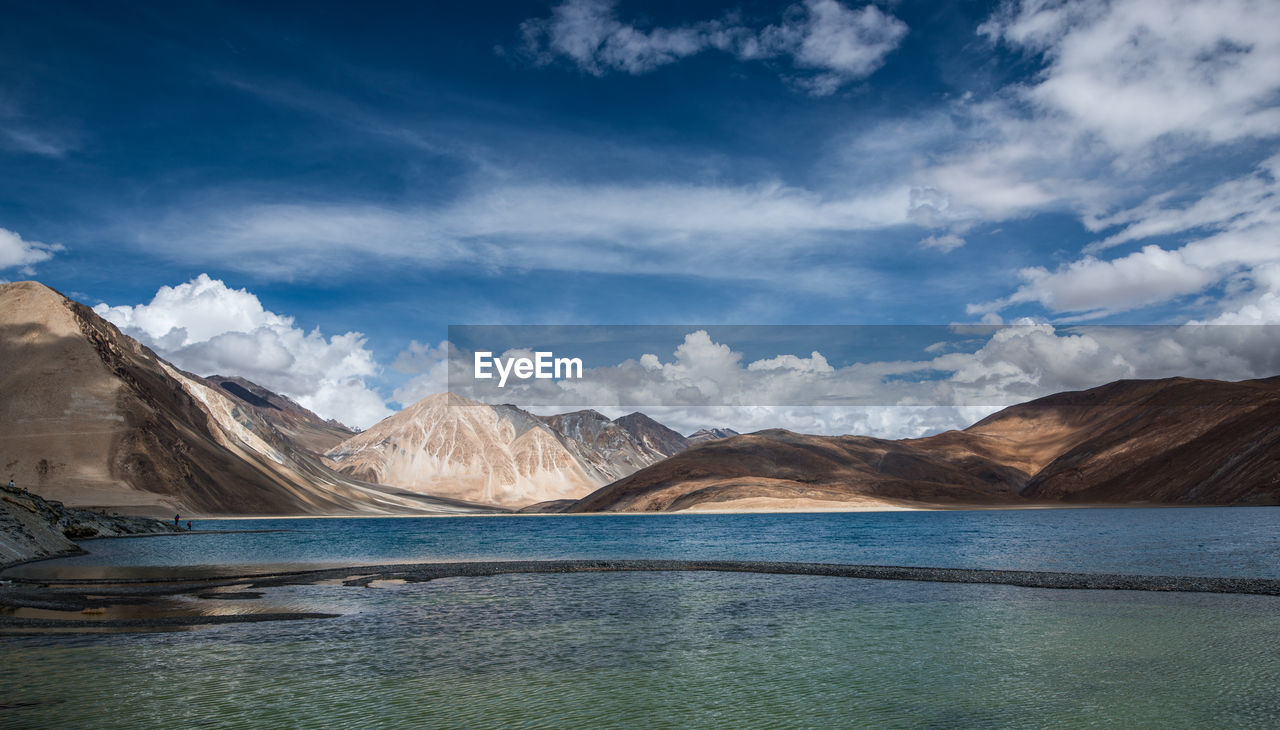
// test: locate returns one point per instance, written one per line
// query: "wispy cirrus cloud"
(21, 133)
(827, 42)
(719, 232)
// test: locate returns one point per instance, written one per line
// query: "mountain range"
(93, 418)
(447, 445)
(1171, 441)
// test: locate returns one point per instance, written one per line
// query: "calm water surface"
(700, 649)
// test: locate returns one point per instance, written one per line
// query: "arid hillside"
(1172, 441)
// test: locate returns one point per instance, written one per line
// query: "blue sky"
(392, 169)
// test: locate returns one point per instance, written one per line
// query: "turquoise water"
(693, 649)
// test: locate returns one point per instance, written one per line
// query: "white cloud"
(1234, 241)
(1133, 71)
(18, 132)
(944, 243)
(15, 251)
(889, 422)
(839, 43)
(205, 327)
(1150, 83)
(430, 367)
(717, 231)
(1089, 285)
(1128, 89)
(1239, 204)
(707, 383)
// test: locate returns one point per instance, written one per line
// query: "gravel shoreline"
(78, 595)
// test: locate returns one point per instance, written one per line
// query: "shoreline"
(73, 598)
(695, 512)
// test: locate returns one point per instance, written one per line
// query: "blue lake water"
(680, 650)
(1189, 541)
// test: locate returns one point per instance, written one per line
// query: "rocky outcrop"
(710, 434)
(32, 527)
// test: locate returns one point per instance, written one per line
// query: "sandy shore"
(752, 505)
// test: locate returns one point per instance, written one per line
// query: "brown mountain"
(502, 455)
(304, 428)
(1173, 441)
(90, 417)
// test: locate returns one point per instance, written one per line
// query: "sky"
(309, 195)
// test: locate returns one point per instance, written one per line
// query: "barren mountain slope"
(609, 450)
(779, 464)
(1162, 441)
(450, 446)
(447, 445)
(299, 425)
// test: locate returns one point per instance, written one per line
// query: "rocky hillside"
(300, 426)
(611, 449)
(1172, 441)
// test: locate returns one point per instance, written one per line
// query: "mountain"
(502, 455)
(609, 450)
(710, 434)
(90, 417)
(304, 428)
(1172, 441)
(655, 437)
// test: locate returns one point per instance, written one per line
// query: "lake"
(687, 649)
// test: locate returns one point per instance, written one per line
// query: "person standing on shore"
(175, 520)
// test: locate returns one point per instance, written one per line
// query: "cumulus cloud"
(208, 328)
(15, 251)
(837, 43)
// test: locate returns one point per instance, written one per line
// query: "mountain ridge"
(1169, 441)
